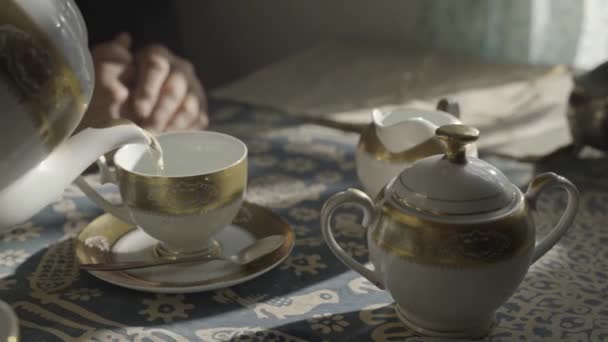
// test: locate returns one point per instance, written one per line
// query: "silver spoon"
(254, 251)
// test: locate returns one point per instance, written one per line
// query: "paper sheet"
(520, 109)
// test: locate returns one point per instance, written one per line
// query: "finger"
(128, 76)
(194, 83)
(112, 61)
(116, 50)
(152, 70)
(124, 39)
(111, 52)
(203, 120)
(107, 102)
(182, 121)
(187, 115)
(171, 97)
(109, 88)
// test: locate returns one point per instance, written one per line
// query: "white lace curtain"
(569, 32)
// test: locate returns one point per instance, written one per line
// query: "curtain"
(530, 31)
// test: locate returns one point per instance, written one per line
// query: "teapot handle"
(361, 200)
(540, 183)
(106, 176)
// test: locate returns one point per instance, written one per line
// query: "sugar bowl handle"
(361, 200)
(545, 181)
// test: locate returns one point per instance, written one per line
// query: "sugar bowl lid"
(454, 183)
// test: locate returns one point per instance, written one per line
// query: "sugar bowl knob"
(456, 138)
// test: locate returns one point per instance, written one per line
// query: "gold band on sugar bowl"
(371, 144)
(183, 195)
(455, 245)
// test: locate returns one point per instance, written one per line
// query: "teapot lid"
(453, 184)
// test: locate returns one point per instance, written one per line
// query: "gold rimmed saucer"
(108, 239)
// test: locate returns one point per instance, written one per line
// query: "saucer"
(108, 239)
(9, 324)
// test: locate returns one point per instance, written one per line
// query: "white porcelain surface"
(137, 245)
(22, 147)
(9, 323)
(449, 299)
(445, 300)
(34, 170)
(185, 233)
(436, 184)
(403, 128)
(45, 183)
(185, 154)
(398, 130)
(375, 174)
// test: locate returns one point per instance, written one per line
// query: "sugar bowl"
(450, 238)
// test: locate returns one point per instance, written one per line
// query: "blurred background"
(511, 65)
(229, 39)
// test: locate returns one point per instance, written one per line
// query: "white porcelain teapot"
(46, 82)
(397, 138)
(450, 237)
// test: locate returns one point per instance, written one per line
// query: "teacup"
(199, 191)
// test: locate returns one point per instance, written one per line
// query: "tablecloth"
(294, 168)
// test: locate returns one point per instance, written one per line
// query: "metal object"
(246, 255)
(588, 109)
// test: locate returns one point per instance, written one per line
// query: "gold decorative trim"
(41, 77)
(370, 143)
(438, 213)
(96, 241)
(183, 195)
(454, 244)
(456, 138)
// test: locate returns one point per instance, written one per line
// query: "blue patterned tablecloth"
(294, 168)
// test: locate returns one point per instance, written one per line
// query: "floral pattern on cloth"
(311, 296)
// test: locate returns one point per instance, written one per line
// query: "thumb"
(124, 39)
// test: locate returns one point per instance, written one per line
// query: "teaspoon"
(254, 251)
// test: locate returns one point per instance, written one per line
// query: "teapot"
(46, 82)
(397, 138)
(450, 238)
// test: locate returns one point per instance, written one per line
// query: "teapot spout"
(46, 182)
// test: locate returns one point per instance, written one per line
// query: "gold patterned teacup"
(199, 191)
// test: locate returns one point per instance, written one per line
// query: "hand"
(113, 65)
(156, 89)
(167, 93)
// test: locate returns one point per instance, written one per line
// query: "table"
(294, 168)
